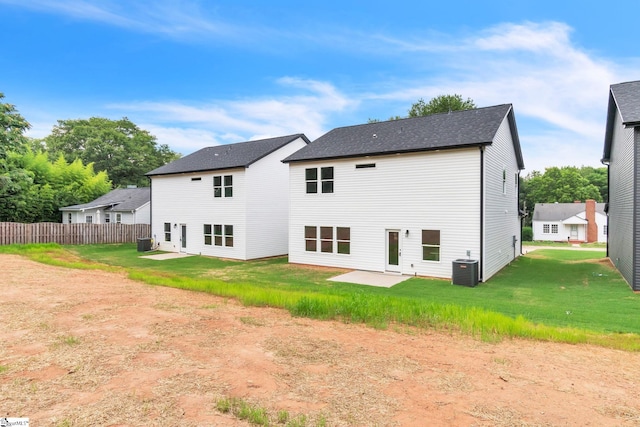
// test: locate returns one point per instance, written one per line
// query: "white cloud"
(553, 84)
(186, 126)
(183, 19)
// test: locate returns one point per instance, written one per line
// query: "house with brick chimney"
(622, 155)
(570, 222)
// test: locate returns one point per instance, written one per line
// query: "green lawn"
(559, 295)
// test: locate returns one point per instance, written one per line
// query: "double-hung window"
(223, 185)
(325, 180)
(330, 239)
(107, 218)
(207, 234)
(545, 228)
(223, 235)
(431, 245)
(554, 228)
(167, 231)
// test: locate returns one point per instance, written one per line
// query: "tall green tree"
(12, 129)
(119, 147)
(38, 187)
(441, 104)
(557, 184)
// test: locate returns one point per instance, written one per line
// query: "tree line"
(81, 160)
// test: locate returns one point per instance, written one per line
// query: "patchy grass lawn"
(568, 296)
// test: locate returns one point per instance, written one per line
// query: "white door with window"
(183, 237)
(393, 251)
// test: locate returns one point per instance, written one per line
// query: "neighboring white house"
(119, 206)
(226, 201)
(410, 196)
(574, 222)
(622, 155)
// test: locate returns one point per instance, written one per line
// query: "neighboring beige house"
(573, 222)
(410, 196)
(119, 206)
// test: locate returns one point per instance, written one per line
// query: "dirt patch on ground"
(94, 348)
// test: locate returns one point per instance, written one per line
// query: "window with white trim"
(325, 181)
(223, 235)
(327, 239)
(69, 218)
(208, 235)
(554, 228)
(88, 219)
(167, 231)
(107, 218)
(118, 218)
(605, 229)
(310, 238)
(545, 228)
(431, 245)
(223, 185)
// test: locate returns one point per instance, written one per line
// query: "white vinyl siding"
(414, 192)
(256, 205)
(179, 200)
(267, 219)
(501, 220)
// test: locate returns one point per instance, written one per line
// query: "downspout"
(151, 211)
(481, 261)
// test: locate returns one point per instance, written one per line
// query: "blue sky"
(201, 73)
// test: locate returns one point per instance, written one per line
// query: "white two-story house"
(226, 201)
(410, 196)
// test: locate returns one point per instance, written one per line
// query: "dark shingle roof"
(120, 199)
(241, 154)
(625, 98)
(438, 131)
(561, 211)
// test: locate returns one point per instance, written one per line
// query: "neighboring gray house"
(573, 222)
(119, 206)
(229, 201)
(622, 155)
(410, 196)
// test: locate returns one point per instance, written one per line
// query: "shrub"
(527, 234)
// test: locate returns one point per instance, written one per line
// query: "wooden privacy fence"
(71, 234)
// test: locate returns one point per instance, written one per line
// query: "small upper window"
(219, 189)
(88, 219)
(326, 174)
(311, 178)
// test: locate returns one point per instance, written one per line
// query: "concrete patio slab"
(371, 278)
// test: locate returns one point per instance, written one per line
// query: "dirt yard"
(82, 348)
